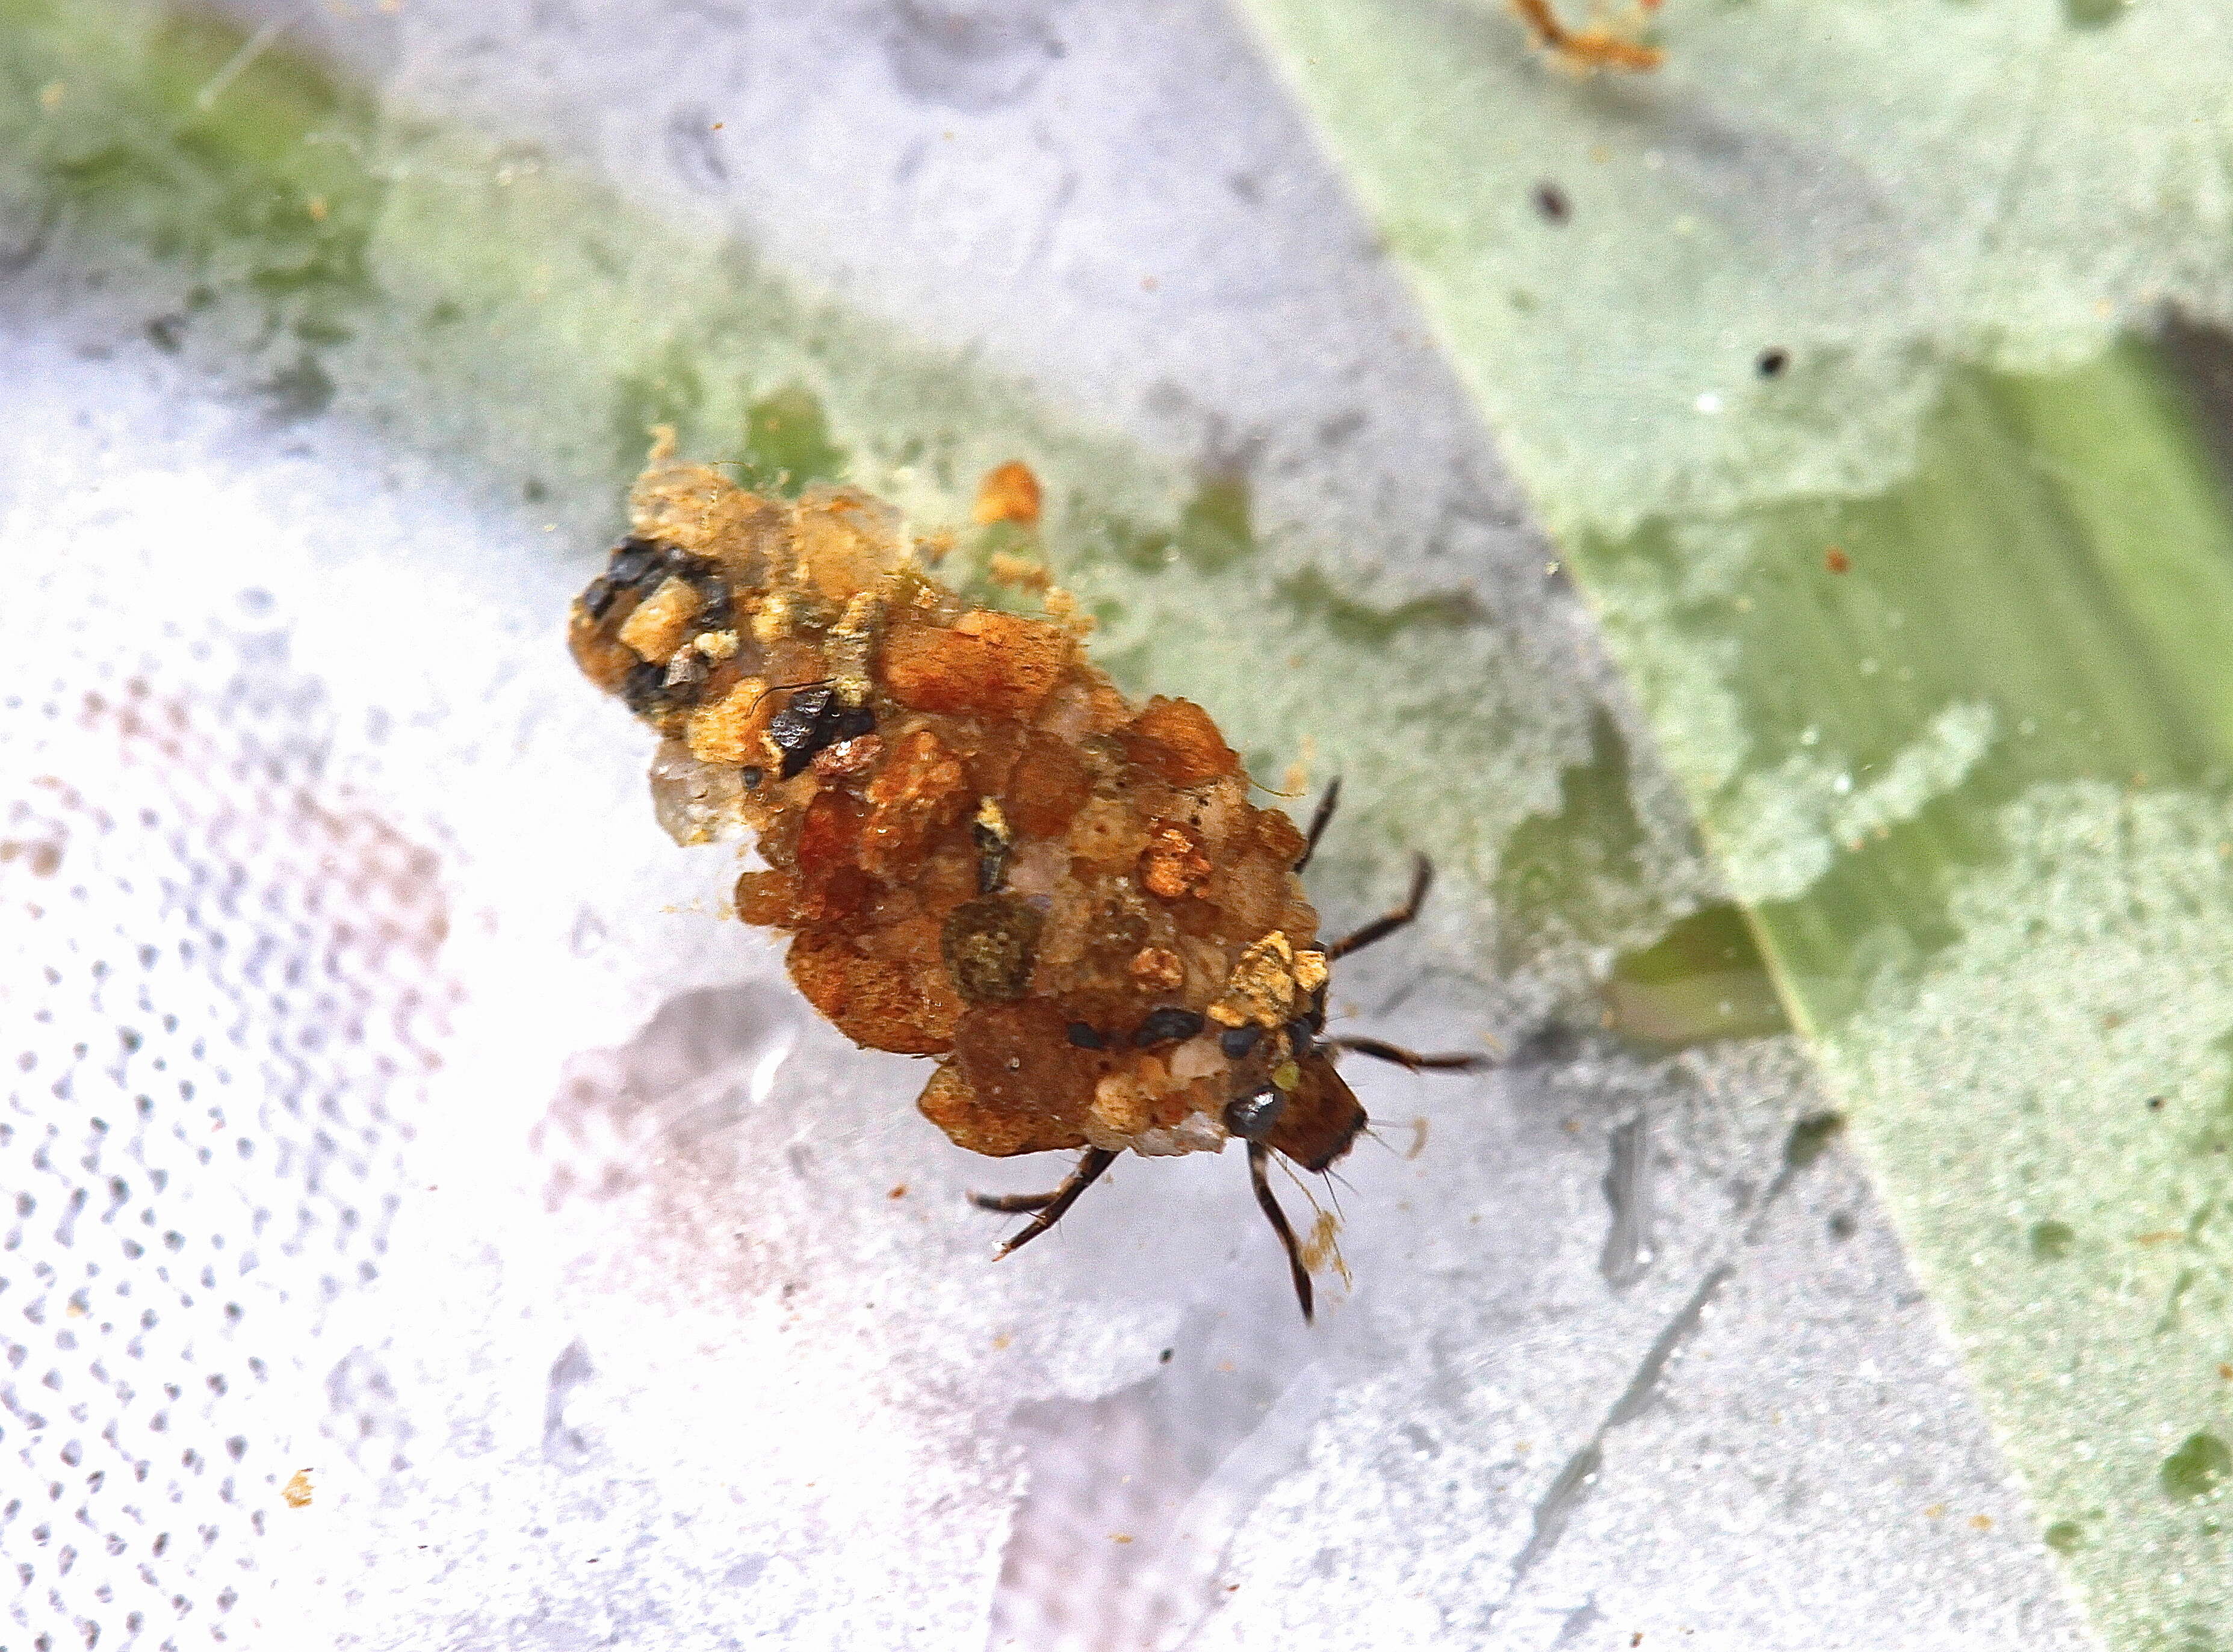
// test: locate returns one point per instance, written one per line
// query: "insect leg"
(1381, 1050)
(1090, 1164)
(1321, 817)
(1259, 1156)
(1380, 928)
(1009, 1204)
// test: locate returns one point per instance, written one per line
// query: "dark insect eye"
(597, 596)
(1167, 1027)
(1237, 1042)
(1252, 1116)
(752, 778)
(1299, 1031)
(1082, 1037)
(854, 723)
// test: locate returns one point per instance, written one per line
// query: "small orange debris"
(1009, 493)
(296, 1492)
(1587, 50)
(1158, 969)
(1981, 1522)
(1172, 865)
(1019, 572)
(899, 1192)
(1836, 560)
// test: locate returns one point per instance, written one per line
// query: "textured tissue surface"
(385, 1100)
(383, 1104)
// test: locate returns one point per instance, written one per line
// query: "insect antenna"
(1379, 1139)
(1334, 1192)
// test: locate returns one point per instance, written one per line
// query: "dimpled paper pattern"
(222, 1006)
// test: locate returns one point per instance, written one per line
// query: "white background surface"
(517, 1199)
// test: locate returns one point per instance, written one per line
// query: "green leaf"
(1910, 537)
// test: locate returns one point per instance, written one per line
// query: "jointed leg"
(1380, 1051)
(1423, 878)
(1259, 1156)
(1009, 1204)
(1321, 817)
(1051, 1206)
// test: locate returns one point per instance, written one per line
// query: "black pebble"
(1167, 1027)
(814, 720)
(631, 563)
(791, 729)
(715, 610)
(644, 687)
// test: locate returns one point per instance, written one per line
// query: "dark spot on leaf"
(302, 391)
(2197, 1468)
(1810, 1136)
(2092, 14)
